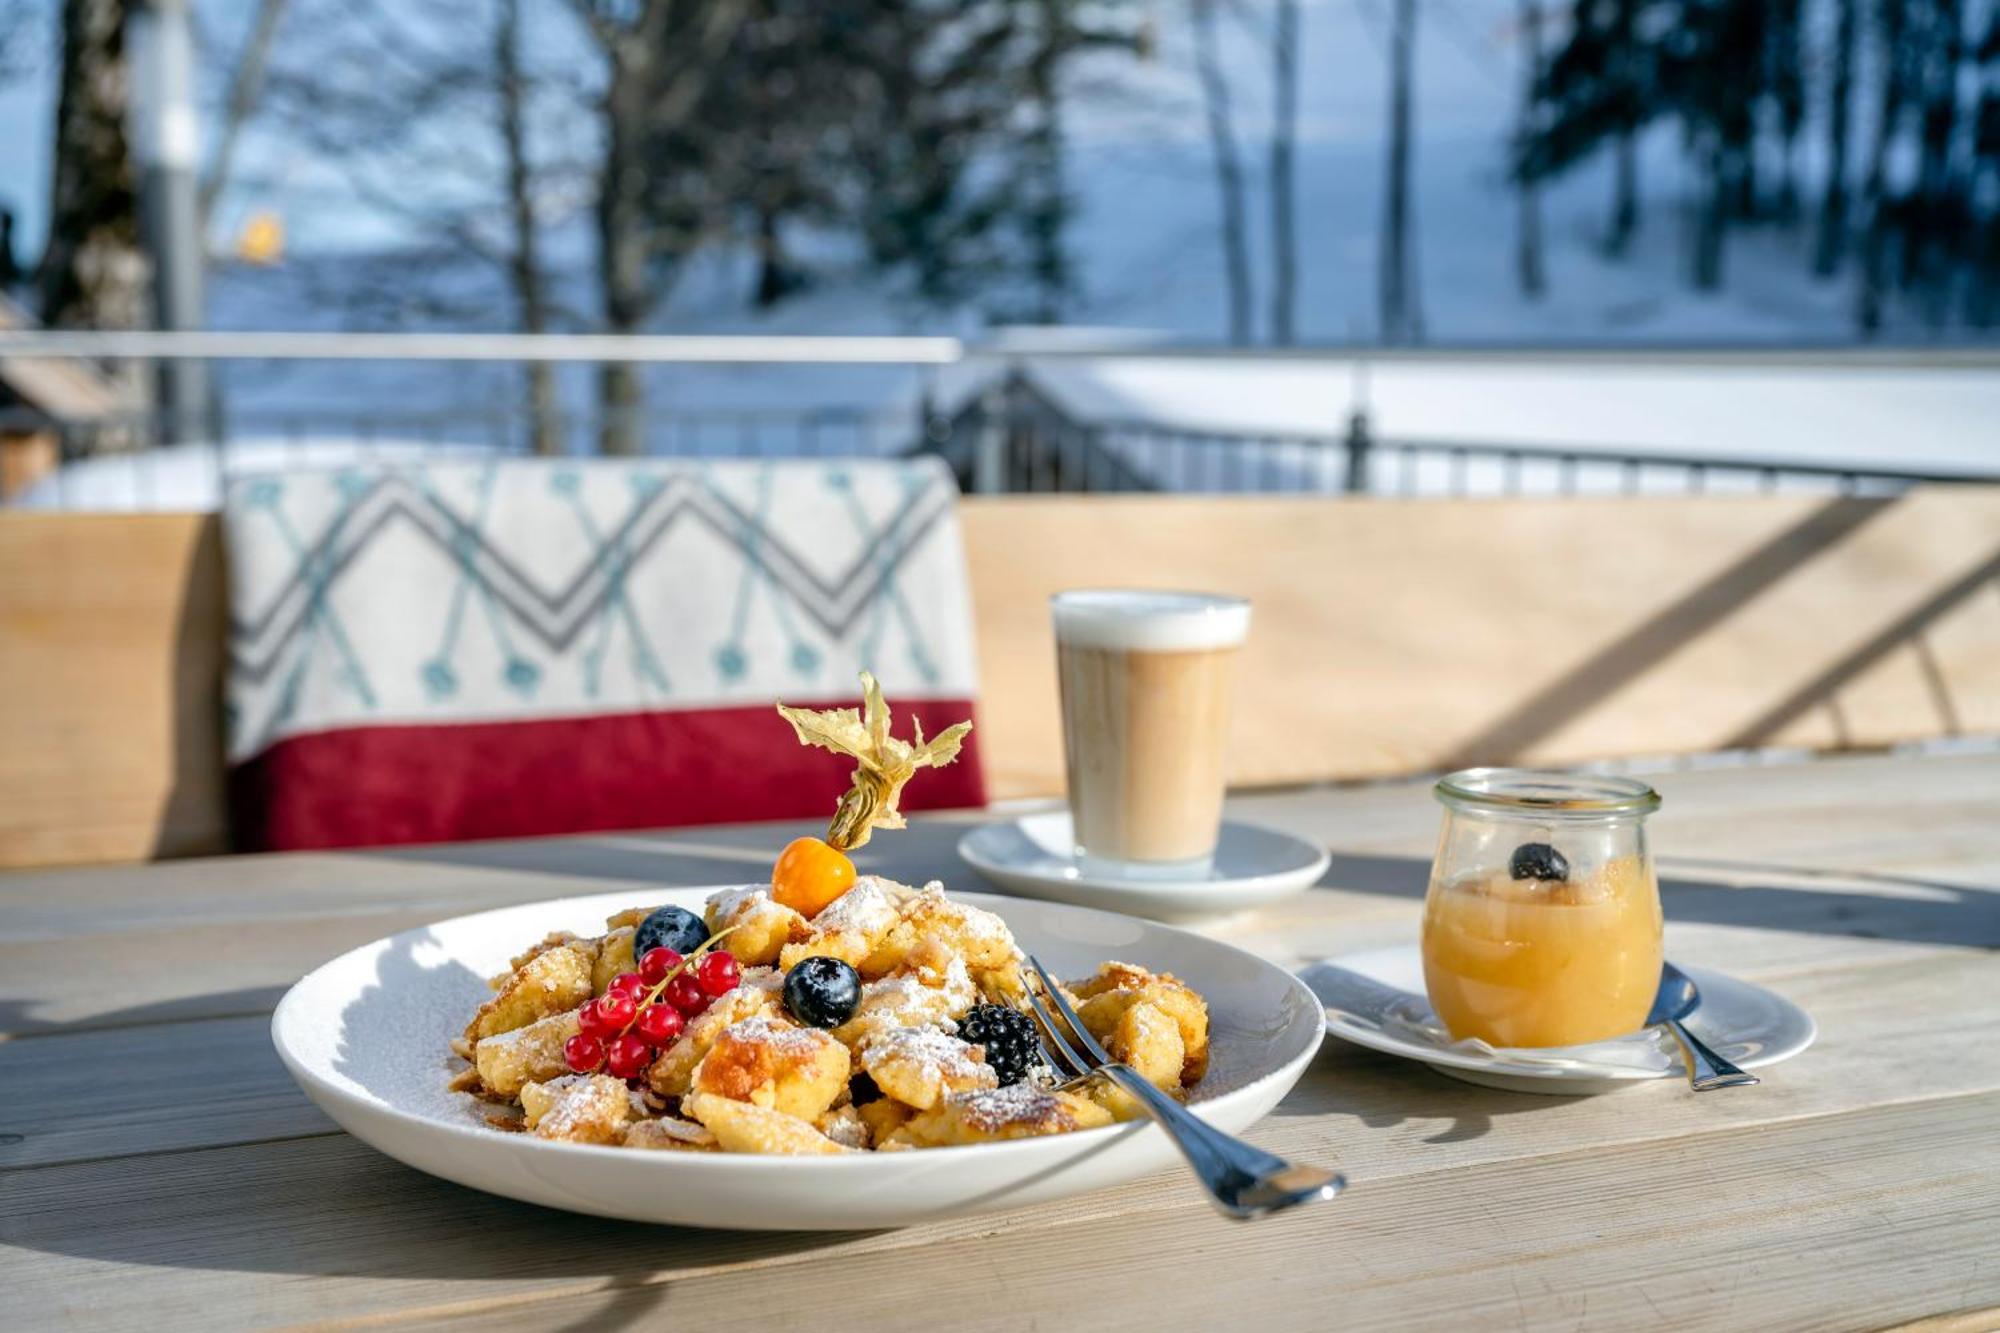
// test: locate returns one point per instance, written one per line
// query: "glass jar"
(1542, 925)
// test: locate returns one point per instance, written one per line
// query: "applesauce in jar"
(1542, 925)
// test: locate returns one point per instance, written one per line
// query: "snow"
(184, 477)
(1145, 245)
(1842, 416)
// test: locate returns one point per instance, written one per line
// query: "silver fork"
(1242, 1181)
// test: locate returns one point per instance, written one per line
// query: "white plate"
(1035, 856)
(366, 1036)
(1740, 1021)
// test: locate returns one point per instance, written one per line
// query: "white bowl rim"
(729, 1163)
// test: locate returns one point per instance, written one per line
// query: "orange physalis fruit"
(809, 875)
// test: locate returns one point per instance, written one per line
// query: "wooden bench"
(1391, 637)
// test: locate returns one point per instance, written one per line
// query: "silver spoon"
(1675, 1000)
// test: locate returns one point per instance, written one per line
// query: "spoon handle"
(1706, 1069)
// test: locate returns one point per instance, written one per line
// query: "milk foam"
(1144, 620)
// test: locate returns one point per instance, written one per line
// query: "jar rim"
(1546, 793)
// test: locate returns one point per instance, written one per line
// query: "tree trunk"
(1624, 196)
(1936, 240)
(1402, 322)
(776, 277)
(1528, 255)
(531, 300)
(1740, 166)
(93, 272)
(1716, 200)
(1228, 170)
(622, 247)
(1831, 242)
(1284, 150)
(1875, 185)
(1047, 205)
(246, 85)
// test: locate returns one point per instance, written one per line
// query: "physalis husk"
(882, 763)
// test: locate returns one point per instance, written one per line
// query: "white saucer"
(1035, 856)
(1371, 998)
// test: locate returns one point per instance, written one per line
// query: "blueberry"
(676, 927)
(861, 1090)
(1538, 860)
(822, 992)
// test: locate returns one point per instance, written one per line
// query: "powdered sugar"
(724, 908)
(991, 1110)
(937, 1051)
(803, 1043)
(864, 909)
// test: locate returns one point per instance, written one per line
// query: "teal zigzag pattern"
(592, 613)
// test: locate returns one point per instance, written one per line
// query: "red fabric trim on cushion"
(372, 786)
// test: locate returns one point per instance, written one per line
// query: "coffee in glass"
(1145, 682)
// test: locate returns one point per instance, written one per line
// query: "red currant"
(617, 1009)
(591, 1021)
(627, 983)
(685, 994)
(628, 1056)
(660, 1024)
(717, 973)
(583, 1053)
(657, 963)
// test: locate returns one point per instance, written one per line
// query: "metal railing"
(1003, 432)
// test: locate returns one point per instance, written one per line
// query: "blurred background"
(1408, 245)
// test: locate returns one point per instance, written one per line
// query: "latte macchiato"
(1145, 700)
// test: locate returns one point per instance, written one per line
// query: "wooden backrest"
(1396, 637)
(111, 656)
(1390, 637)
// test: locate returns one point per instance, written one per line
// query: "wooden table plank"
(1790, 1236)
(1905, 1030)
(364, 1237)
(1867, 889)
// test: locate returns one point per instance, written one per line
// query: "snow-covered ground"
(1145, 241)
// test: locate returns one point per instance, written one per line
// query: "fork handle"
(1242, 1181)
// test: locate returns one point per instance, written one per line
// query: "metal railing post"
(989, 450)
(1358, 443)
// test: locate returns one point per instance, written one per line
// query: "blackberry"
(1538, 860)
(1009, 1038)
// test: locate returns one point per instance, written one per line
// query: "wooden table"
(157, 1167)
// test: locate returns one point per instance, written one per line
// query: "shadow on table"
(1382, 1091)
(328, 1205)
(18, 1013)
(1859, 904)
(729, 855)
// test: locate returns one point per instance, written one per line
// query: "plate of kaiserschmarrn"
(827, 1050)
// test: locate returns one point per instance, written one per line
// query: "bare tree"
(1875, 185)
(436, 132)
(246, 88)
(660, 58)
(1401, 315)
(1284, 151)
(1831, 242)
(93, 272)
(1228, 168)
(1528, 244)
(524, 262)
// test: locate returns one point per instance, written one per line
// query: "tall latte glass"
(1145, 701)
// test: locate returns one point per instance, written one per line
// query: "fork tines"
(1077, 1065)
